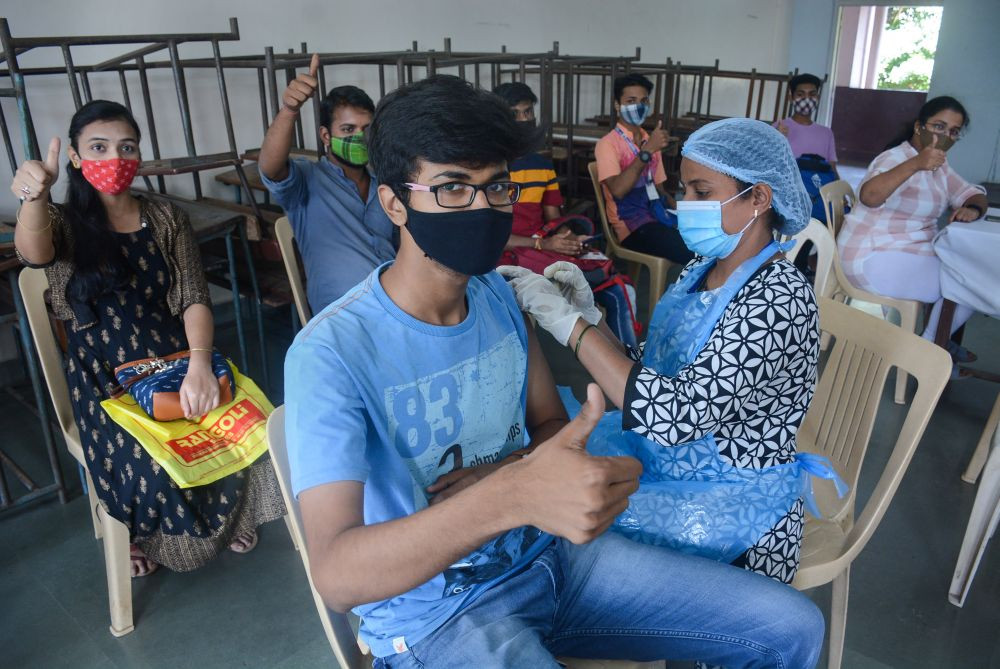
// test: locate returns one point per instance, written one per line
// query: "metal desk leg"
(41, 401)
(253, 274)
(258, 305)
(234, 286)
(945, 319)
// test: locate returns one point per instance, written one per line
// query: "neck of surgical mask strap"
(736, 196)
(702, 204)
(756, 215)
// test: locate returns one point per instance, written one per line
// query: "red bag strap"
(620, 280)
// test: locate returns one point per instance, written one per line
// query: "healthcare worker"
(712, 404)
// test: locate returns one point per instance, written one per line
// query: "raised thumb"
(314, 65)
(576, 433)
(52, 158)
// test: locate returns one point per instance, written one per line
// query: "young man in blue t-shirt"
(444, 494)
(339, 226)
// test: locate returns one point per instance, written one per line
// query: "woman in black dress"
(126, 277)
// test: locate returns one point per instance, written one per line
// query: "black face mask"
(532, 123)
(468, 241)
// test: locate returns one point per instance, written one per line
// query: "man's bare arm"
(559, 489)
(278, 140)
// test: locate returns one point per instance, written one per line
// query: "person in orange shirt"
(630, 169)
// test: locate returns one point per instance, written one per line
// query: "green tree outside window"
(907, 48)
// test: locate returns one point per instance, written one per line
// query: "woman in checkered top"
(886, 243)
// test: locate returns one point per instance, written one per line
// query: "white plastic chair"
(340, 629)
(909, 312)
(658, 267)
(33, 284)
(350, 653)
(826, 251)
(835, 195)
(839, 425)
(982, 525)
(286, 243)
(975, 466)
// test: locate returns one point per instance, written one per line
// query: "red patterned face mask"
(112, 176)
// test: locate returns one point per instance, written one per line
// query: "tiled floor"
(256, 610)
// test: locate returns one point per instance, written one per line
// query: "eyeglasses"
(942, 129)
(458, 195)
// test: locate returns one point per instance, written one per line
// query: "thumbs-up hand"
(34, 178)
(302, 87)
(657, 140)
(562, 490)
(782, 128)
(930, 157)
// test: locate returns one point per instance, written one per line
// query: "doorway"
(883, 60)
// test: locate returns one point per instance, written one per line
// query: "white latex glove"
(541, 298)
(573, 285)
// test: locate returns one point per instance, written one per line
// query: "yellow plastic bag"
(224, 441)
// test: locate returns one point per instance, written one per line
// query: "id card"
(651, 191)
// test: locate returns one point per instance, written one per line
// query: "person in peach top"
(630, 169)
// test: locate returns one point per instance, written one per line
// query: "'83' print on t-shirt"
(463, 416)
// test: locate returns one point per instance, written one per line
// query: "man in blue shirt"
(340, 228)
(445, 496)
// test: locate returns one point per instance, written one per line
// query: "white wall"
(965, 66)
(810, 40)
(741, 34)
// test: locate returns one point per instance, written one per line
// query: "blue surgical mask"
(634, 114)
(700, 225)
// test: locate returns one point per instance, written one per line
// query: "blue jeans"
(619, 319)
(617, 599)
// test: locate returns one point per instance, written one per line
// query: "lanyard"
(648, 170)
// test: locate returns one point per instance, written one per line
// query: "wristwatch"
(645, 156)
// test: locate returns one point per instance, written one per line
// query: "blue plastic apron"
(689, 497)
(655, 204)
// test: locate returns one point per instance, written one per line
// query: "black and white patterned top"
(749, 386)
